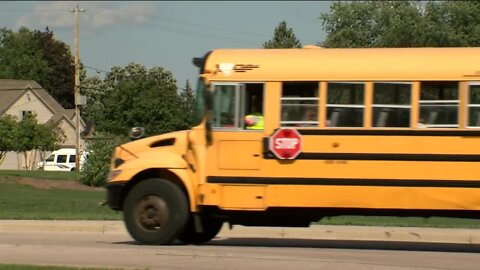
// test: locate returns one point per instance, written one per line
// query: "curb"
(314, 232)
(361, 233)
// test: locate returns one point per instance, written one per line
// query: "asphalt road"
(108, 245)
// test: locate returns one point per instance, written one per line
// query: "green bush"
(100, 149)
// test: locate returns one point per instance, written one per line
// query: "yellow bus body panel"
(363, 64)
(261, 197)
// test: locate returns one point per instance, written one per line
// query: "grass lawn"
(24, 197)
(439, 222)
(36, 267)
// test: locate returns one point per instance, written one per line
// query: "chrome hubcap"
(151, 213)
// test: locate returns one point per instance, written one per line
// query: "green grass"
(37, 267)
(39, 174)
(18, 201)
(438, 222)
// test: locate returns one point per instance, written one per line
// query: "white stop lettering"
(286, 143)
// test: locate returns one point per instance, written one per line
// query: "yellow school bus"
(384, 131)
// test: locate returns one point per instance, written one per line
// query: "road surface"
(237, 249)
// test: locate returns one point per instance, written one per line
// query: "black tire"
(155, 212)
(211, 227)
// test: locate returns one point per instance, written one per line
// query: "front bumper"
(115, 195)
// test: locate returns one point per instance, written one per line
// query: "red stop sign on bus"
(286, 143)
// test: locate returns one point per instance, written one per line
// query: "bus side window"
(299, 103)
(474, 105)
(391, 104)
(439, 104)
(345, 104)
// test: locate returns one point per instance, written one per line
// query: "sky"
(167, 34)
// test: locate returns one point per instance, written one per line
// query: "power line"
(188, 23)
(183, 31)
(196, 24)
(98, 70)
(32, 10)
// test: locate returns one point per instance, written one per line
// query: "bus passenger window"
(474, 105)
(439, 104)
(299, 104)
(345, 104)
(391, 104)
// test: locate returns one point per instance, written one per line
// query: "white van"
(61, 160)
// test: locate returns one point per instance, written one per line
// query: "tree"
(20, 56)
(95, 90)
(37, 56)
(188, 104)
(127, 97)
(135, 96)
(27, 135)
(7, 135)
(453, 23)
(61, 78)
(283, 37)
(97, 165)
(384, 24)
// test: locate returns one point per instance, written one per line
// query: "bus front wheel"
(155, 212)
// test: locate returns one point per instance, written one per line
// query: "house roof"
(12, 90)
(70, 113)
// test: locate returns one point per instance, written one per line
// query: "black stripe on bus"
(382, 157)
(267, 154)
(373, 132)
(345, 182)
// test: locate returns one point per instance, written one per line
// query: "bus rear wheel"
(210, 226)
(155, 211)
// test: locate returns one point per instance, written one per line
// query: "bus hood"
(175, 142)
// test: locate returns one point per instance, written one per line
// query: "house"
(21, 97)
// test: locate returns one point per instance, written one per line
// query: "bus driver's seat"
(335, 117)
(432, 117)
(382, 119)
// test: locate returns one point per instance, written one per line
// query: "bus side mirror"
(136, 133)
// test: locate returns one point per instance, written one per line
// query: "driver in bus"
(255, 119)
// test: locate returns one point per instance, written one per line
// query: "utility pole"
(76, 89)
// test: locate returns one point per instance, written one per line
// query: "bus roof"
(367, 64)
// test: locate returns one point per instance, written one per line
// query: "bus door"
(236, 147)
